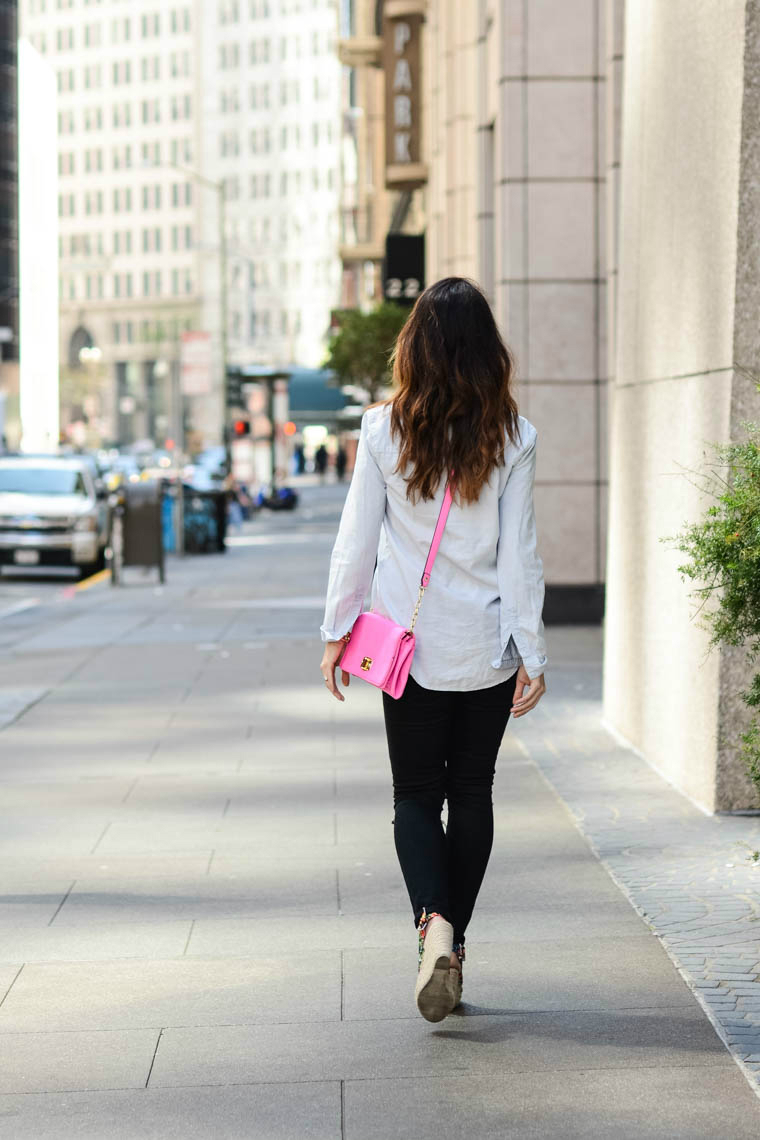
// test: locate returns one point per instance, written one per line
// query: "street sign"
(404, 267)
(196, 364)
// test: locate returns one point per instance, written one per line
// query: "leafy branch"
(723, 560)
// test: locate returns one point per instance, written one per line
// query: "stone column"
(550, 281)
(614, 40)
(688, 299)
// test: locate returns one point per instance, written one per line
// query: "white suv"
(52, 513)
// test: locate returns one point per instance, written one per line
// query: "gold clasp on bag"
(366, 664)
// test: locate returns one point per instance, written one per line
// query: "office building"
(163, 108)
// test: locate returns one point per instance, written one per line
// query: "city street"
(204, 931)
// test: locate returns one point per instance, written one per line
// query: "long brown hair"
(453, 402)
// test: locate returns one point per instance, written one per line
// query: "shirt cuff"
(332, 634)
(534, 666)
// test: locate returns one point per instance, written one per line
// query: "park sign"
(402, 31)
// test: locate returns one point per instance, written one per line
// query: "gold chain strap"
(416, 609)
(422, 588)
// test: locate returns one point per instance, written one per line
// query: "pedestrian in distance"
(479, 652)
(320, 461)
(341, 459)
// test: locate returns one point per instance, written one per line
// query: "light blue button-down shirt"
(481, 615)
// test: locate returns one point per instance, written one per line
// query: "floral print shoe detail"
(434, 992)
(456, 973)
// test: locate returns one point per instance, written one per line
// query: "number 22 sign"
(402, 287)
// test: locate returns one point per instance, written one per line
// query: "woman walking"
(480, 652)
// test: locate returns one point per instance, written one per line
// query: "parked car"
(121, 469)
(52, 513)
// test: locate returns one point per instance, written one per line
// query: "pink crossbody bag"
(378, 650)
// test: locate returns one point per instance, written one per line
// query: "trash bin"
(137, 538)
(169, 501)
(205, 520)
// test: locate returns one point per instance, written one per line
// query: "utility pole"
(220, 188)
(273, 438)
(223, 315)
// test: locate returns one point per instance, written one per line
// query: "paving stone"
(485, 1044)
(48, 834)
(241, 1112)
(56, 873)
(53, 1062)
(95, 942)
(245, 937)
(271, 889)
(638, 1104)
(128, 994)
(507, 977)
(266, 831)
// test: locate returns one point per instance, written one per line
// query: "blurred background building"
(198, 161)
(365, 207)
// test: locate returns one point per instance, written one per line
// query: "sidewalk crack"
(153, 1058)
(63, 900)
(132, 787)
(10, 987)
(342, 987)
(342, 1110)
(189, 936)
(101, 837)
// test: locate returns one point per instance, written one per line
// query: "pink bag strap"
(440, 526)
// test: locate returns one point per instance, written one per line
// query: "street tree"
(358, 352)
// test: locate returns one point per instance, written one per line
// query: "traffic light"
(241, 428)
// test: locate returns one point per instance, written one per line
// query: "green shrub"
(724, 561)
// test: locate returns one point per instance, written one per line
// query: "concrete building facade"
(688, 299)
(366, 203)
(163, 108)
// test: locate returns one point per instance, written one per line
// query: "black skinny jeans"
(444, 744)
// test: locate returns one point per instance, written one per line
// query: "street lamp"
(90, 354)
(90, 357)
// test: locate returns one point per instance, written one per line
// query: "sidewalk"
(204, 931)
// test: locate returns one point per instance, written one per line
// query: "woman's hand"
(527, 693)
(332, 654)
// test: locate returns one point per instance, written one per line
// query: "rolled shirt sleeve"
(519, 568)
(354, 554)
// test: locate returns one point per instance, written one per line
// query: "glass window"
(18, 479)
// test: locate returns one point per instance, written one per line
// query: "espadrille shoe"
(456, 973)
(434, 992)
